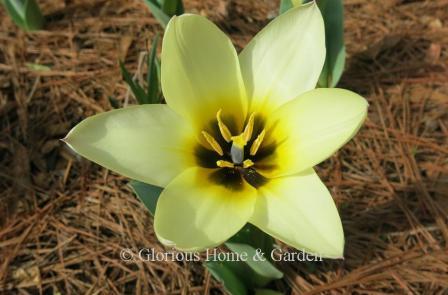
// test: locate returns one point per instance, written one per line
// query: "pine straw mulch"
(64, 220)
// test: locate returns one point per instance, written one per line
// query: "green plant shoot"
(25, 13)
(153, 92)
(163, 10)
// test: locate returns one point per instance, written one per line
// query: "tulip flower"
(238, 137)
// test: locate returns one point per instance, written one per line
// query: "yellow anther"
(247, 163)
(247, 133)
(213, 143)
(257, 142)
(223, 128)
(224, 164)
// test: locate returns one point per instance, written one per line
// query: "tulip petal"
(149, 143)
(284, 59)
(299, 211)
(194, 213)
(310, 128)
(201, 72)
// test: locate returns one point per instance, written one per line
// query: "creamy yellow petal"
(200, 71)
(310, 128)
(195, 212)
(284, 59)
(300, 211)
(149, 143)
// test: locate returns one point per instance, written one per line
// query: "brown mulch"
(64, 220)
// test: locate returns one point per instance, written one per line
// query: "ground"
(64, 220)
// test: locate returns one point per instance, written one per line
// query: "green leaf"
(288, 4)
(16, 11)
(230, 281)
(252, 274)
(261, 270)
(157, 61)
(25, 13)
(172, 7)
(147, 193)
(153, 76)
(333, 14)
(247, 274)
(158, 12)
(285, 5)
(180, 8)
(254, 237)
(34, 19)
(136, 89)
(153, 93)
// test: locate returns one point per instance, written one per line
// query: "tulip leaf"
(153, 93)
(251, 273)
(153, 76)
(180, 8)
(16, 10)
(157, 63)
(224, 274)
(288, 4)
(136, 89)
(333, 14)
(25, 13)
(158, 13)
(244, 272)
(254, 272)
(254, 237)
(172, 7)
(261, 270)
(34, 19)
(147, 193)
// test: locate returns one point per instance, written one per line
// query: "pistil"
(237, 149)
(238, 143)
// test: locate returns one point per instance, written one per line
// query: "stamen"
(257, 142)
(248, 163)
(224, 164)
(223, 128)
(213, 143)
(240, 141)
(247, 133)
